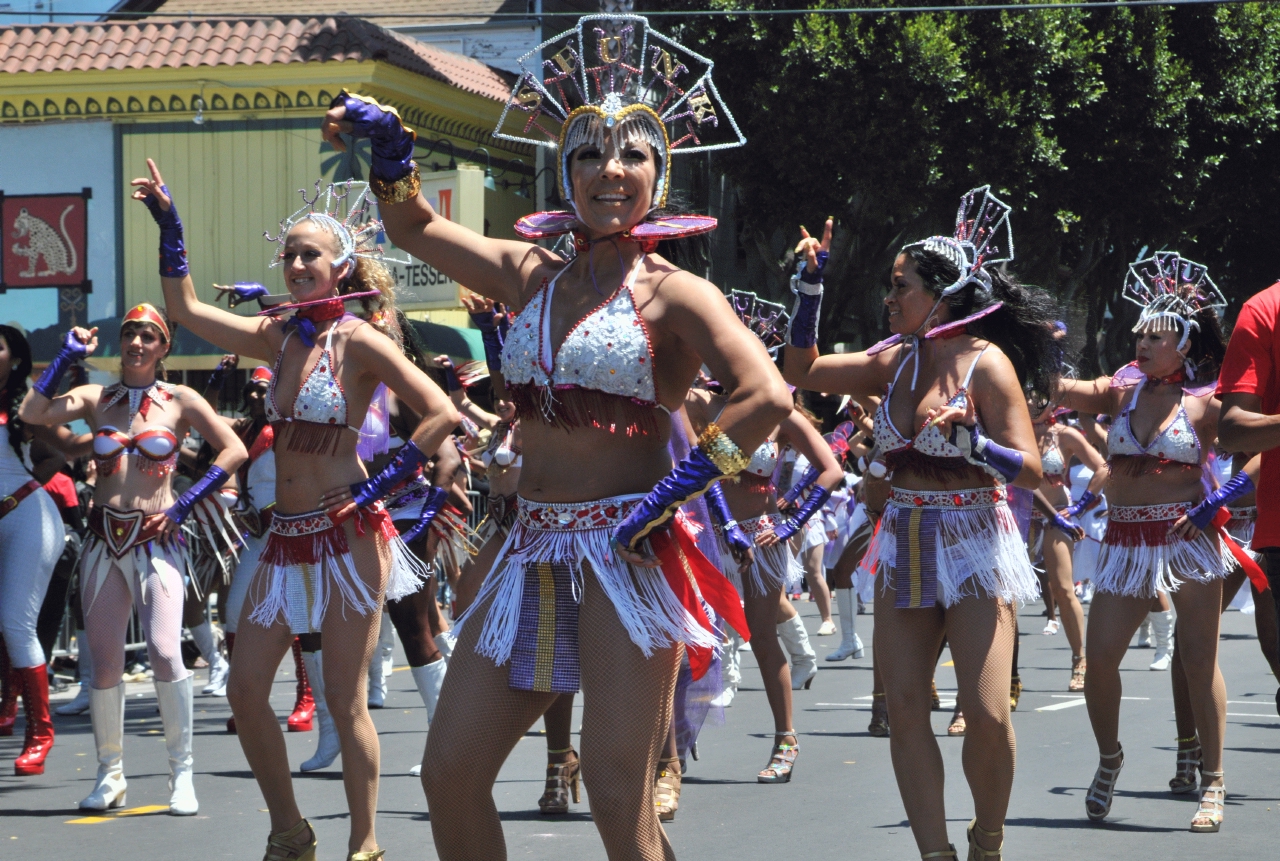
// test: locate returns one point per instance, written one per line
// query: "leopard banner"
(44, 240)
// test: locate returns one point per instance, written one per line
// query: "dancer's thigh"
(980, 632)
(160, 610)
(906, 645)
(106, 622)
(1199, 623)
(1113, 620)
(1057, 561)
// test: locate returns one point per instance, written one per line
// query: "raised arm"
(216, 431)
(250, 336)
(1088, 396)
(496, 268)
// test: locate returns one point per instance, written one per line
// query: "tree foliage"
(1108, 130)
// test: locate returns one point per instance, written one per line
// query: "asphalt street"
(843, 802)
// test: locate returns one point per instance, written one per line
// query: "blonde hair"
(368, 275)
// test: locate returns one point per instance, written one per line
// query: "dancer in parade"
(602, 350)
(968, 342)
(1161, 533)
(332, 554)
(133, 559)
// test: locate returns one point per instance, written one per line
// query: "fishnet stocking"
(1058, 573)
(349, 640)
(106, 623)
(1182, 714)
(558, 722)
(980, 634)
(626, 716)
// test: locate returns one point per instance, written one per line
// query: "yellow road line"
(129, 811)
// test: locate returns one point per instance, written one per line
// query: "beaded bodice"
(321, 400)
(764, 460)
(1177, 442)
(929, 442)
(1051, 461)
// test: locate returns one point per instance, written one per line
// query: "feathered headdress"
(1171, 291)
(766, 320)
(343, 210)
(983, 236)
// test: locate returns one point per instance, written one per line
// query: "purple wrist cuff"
(214, 478)
(71, 351)
(435, 500)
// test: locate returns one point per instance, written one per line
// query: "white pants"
(31, 540)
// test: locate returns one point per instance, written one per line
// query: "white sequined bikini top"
(321, 399)
(1177, 442)
(929, 441)
(1051, 462)
(764, 460)
(607, 351)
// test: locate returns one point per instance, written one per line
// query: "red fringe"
(944, 469)
(753, 483)
(308, 437)
(579, 408)
(305, 549)
(1146, 533)
(1138, 465)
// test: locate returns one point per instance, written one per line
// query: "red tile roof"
(388, 13)
(185, 43)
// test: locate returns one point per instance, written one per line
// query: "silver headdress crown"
(343, 210)
(1171, 291)
(767, 320)
(615, 72)
(983, 237)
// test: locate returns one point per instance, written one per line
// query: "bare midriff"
(1175, 482)
(583, 464)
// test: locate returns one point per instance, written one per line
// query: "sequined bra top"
(928, 449)
(156, 449)
(1176, 443)
(764, 460)
(1052, 463)
(600, 375)
(320, 401)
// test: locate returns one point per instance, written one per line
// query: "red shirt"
(63, 490)
(1252, 366)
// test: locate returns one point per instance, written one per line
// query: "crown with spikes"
(766, 320)
(983, 237)
(343, 210)
(1171, 291)
(614, 72)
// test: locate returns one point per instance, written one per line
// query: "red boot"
(304, 709)
(9, 690)
(35, 703)
(231, 642)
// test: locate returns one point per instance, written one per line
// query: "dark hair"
(15, 388)
(690, 253)
(1207, 345)
(1023, 328)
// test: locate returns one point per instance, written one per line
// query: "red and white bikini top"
(154, 443)
(929, 441)
(1177, 442)
(607, 351)
(321, 400)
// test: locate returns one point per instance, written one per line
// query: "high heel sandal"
(935, 701)
(1103, 789)
(957, 725)
(976, 852)
(1015, 692)
(562, 779)
(1078, 666)
(375, 855)
(949, 852)
(666, 790)
(782, 762)
(1185, 781)
(879, 726)
(280, 846)
(1211, 809)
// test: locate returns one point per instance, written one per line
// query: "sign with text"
(419, 285)
(44, 240)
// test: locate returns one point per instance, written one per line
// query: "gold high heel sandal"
(1015, 692)
(1209, 814)
(1185, 781)
(280, 846)
(666, 789)
(1078, 666)
(562, 780)
(945, 853)
(375, 855)
(976, 852)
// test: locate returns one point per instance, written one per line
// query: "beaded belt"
(1148, 513)
(1244, 512)
(977, 497)
(574, 516)
(754, 525)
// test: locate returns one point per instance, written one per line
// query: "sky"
(37, 11)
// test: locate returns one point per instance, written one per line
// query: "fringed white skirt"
(1140, 558)
(1240, 527)
(770, 567)
(937, 547)
(307, 561)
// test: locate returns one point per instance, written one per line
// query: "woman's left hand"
(635, 557)
(153, 187)
(338, 503)
(1184, 528)
(944, 418)
(767, 539)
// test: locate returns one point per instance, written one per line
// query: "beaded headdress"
(343, 210)
(616, 73)
(1171, 291)
(983, 236)
(767, 320)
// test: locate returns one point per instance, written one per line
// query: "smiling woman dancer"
(604, 348)
(133, 557)
(1158, 534)
(967, 339)
(332, 553)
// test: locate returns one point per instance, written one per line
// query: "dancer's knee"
(246, 689)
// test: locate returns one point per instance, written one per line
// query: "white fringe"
(1141, 572)
(771, 567)
(408, 573)
(980, 553)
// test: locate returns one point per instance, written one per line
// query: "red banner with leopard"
(44, 240)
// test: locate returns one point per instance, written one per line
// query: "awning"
(457, 343)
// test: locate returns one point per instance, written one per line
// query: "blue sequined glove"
(689, 479)
(243, 291)
(390, 143)
(435, 500)
(173, 252)
(802, 330)
(219, 375)
(1202, 514)
(1087, 500)
(1065, 523)
(979, 450)
(214, 478)
(813, 502)
(492, 339)
(403, 465)
(729, 527)
(802, 484)
(72, 350)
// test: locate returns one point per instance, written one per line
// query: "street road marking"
(1063, 705)
(107, 817)
(1246, 714)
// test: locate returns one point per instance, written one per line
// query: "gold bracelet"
(404, 188)
(722, 451)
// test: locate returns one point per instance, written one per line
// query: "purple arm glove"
(403, 465)
(815, 500)
(690, 478)
(802, 484)
(1087, 500)
(243, 291)
(980, 450)
(802, 331)
(435, 500)
(719, 509)
(213, 479)
(1238, 486)
(492, 340)
(1066, 524)
(390, 143)
(72, 350)
(173, 252)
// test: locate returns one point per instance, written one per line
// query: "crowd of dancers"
(656, 489)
